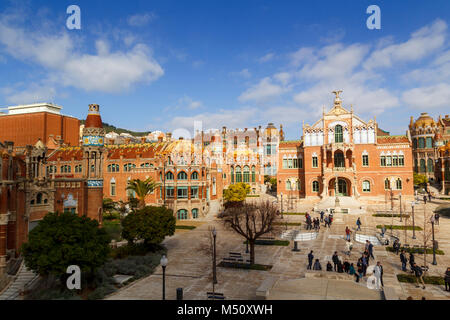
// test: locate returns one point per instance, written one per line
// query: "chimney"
(9, 146)
(160, 139)
(143, 139)
(169, 136)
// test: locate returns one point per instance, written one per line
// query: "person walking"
(351, 269)
(358, 224)
(364, 264)
(317, 265)
(447, 279)
(377, 273)
(335, 260)
(419, 275)
(436, 218)
(396, 246)
(349, 245)
(411, 261)
(370, 249)
(347, 233)
(403, 260)
(425, 199)
(331, 218)
(321, 215)
(310, 260)
(383, 231)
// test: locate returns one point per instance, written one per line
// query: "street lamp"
(434, 246)
(214, 233)
(281, 193)
(400, 198)
(414, 228)
(164, 262)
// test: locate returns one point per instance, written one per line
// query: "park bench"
(215, 295)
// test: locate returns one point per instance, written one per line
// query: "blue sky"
(160, 65)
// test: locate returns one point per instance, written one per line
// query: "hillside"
(108, 127)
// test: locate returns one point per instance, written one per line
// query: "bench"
(215, 295)
(234, 253)
(230, 259)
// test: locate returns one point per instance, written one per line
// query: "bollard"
(179, 293)
(295, 247)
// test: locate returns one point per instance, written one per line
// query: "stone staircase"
(23, 278)
(351, 204)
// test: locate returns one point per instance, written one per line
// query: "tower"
(93, 152)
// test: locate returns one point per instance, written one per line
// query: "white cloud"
(32, 94)
(263, 91)
(422, 43)
(140, 20)
(433, 96)
(189, 103)
(244, 73)
(283, 77)
(105, 71)
(266, 58)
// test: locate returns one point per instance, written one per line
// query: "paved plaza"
(190, 265)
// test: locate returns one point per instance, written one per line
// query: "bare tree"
(427, 231)
(251, 221)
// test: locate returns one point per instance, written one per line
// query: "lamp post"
(400, 198)
(281, 193)
(392, 210)
(434, 247)
(214, 233)
(164, 262)
(414, 227)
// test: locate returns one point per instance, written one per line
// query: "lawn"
(238, 265)
(388, 227)
(427, 279)
(417, 250)
(268, 242)
(294, 213)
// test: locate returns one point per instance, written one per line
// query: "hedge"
(288, 223)
(390, 215)
(417, 250)
(427, 279)
(238, 265)
(185, 227)
(294, 213)
(265, 242)
(388, 227)
(253, 196)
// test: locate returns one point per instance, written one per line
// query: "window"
(401, 161)
(194, 213)
(383, 161)
(285, 163)
(182, 192)
(315, 186)
(339, 160)
(268, 150)
(194, 175)
(66, 169)
(78, 168)
(128, 167)
(145, 165)
(39, 198)
(232, 175)
(246, 174)
(113, 187)
(113, 168)
(387, 184)
(253, 174)
(421, 142)
(170, 192)
(394, 161)
(388, 161)
(182, 175)
(365, 160)
(182, 214)
(315, 162)
(366, 186)
(290, 164)
(288, 185)
(194, 192)
(429, 142)
(422, 165)
(430, 165)
(238, 174)
(338, 136)
(398, 184)
(169, 175)
(415, 143)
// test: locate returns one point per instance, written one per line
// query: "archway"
(342, 189)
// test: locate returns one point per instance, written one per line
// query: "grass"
(288, 223)
(238, 265)
(113, 228)
(427, 279)
(390, 215)
(253, 196)
(388, 227)
(265, 242)
(185, 227)
(417, 250)
(294, 213)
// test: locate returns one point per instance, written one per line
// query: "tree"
(420, 179)
(151, 224)
(273, 184)
(142, 189)
(251, 221)
(64, 239)
(236, 193)
(108, 206)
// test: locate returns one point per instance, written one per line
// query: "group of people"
(312, 223)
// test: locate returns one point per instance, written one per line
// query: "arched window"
(182, 214)
(366, 186)
(246, 174)
(429, 142)
(39, 198)
(338, 134)
(399, 184)
(113, 187)
(78, 168)
(194, 213)
(128, 167)
(339, 160)
(238, 174)
(169, 175)
(194, 175)
(421, 142)
(232, 175)
(253, 174)
(422, 165)
(288, 185)
(387, 184)
(182, 175)
(315, 186)
(430, 165)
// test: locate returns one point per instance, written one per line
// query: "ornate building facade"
(343, 155)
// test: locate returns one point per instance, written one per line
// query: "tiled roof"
(290, 143)
(392, 139)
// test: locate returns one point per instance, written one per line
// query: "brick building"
(43, 121)
(343, 155)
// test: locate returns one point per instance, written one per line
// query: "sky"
(161, 65)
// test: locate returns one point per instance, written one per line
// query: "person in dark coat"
(425, 199)
(396, 246)
(411, 261)
(403, 260)
(321, 215)
(335, 260)
(340, 267)
(436, 218)
(447, 279)
(418, 273)
(329, 266)
(370, 249)
(310, 260)
(346, 266)
(317, 265)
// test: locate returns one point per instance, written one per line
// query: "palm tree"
(142, 188)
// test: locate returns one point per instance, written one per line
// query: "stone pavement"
(190, 265)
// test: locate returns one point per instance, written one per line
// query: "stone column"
(3, 244)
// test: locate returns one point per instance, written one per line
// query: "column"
(3, 244)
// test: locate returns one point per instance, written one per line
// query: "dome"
(424, 120)
(271, 130)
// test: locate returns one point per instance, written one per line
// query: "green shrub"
(388, 227)
(417, 250)
(267, 242)
(101, 292)
(185, 227)
(387, 215)
(288, 223)
(427, 279)
(238, 265)
(295, 213)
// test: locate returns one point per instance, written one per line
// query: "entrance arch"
(343, 187)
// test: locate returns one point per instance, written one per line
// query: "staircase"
(23, 279)
(350, 203)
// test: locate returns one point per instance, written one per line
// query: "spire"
(337, 99)
(281, 133)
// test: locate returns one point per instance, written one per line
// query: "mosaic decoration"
(95, 183)
(93, 141)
